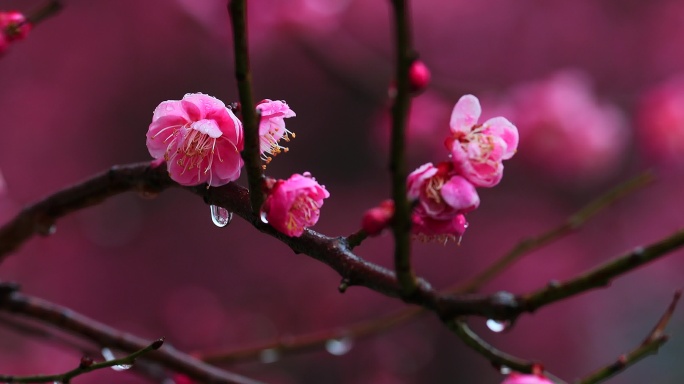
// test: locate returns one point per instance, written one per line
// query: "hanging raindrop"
(340, 346)
(220, 216)
(505, 370)
(268, 356)
(109, 356)
(497, 325)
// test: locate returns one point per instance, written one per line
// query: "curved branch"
(651, 344)
(13, 301)
(86, 365)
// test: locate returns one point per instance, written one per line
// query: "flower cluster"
(13, 27)
(445, 193)
(200, 139)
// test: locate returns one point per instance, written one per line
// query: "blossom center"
(302, 212)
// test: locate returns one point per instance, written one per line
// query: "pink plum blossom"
(199, 138)
(478, 150)
(567, 133)
(294, 204)
(519, 378)
(272, 127)
(660, 121)
(440, 192)
(443, 197)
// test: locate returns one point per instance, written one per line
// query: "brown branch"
(333, 251)
(602, 275)
(13, 301)
(238, 16)
(46, 10)
(401, 223)
(653, 341)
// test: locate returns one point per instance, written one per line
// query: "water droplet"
(497, 326)
(109, 356)
(169, 107)
(339, 347)
(268, 356)
(220, 216)
(505, 370)
(263, 217)
(46, 229)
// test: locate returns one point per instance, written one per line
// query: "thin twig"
(13, 301)
(570, 225)
(495, 356)
(86, 366)
(602, 275)
(309, 341)
(238, 16)
(653, 341)
(401, 223)
(46, 10)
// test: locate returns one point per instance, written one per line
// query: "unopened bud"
(378, 218)
(419, 77)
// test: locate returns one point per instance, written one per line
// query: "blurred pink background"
(77, 97)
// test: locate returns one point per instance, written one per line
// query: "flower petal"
(465, 114)
(501, 127)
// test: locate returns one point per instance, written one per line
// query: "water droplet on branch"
(339, 347)
(109, 356)
(220, 216)
(268, 356)
(497, 325)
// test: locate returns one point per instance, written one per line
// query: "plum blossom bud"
(14, 26)
(660, 127)
(443, 197)
(419, 77)
(376, 219)
(199, 138)
(272, 127)
(294, 204)
(518, 378)
(478, 150)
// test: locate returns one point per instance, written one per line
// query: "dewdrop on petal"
(272, 128)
